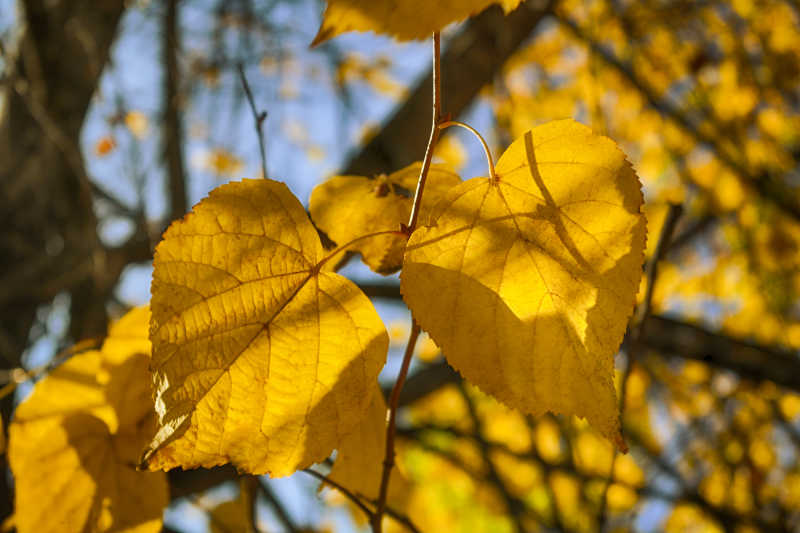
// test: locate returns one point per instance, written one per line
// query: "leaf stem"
(388, 458)
(437, 115)
(20, 375)
(445, 125)
(346, 245)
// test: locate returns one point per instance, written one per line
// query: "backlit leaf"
(230, 516)
(527, 283)
(359, 463)
(75, 441)
(402, 19)
(259, 358)
(346, 207)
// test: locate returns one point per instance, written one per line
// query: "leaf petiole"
(351, 242)
(445, 125)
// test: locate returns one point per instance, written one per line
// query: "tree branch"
(173, 128)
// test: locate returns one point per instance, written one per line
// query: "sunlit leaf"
(403, 19)
(74, 443)
(527, 282)
(347, 207)
(259, 358)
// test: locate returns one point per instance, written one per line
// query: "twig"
(247, 492)
(276, 505)
(437, 115)
(640, 320)
(643, 312)
(20, 375)
(173, 131)
(388, 458)
(400, 518)
(258, 119)
(356, 498)
(350, 496)
(514, 506)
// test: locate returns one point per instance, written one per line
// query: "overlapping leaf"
(259, 358)
(359, 462)
(75, 441)
(402, 19)
(527, 282)
(347, 207)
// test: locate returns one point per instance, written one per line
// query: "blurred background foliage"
(116, 117)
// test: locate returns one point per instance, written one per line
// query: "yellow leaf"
(230, 517)
(686, 518)
(104, 146)
(81, 431)
(222, 162)
(137, 123)
(527, 282)
(347, 207)
(402, 19)
(259, 358)
(359, 463)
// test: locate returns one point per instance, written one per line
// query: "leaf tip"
(323, 34)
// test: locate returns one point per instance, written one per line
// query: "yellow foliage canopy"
(259, 358)
(75, 441)
(527, 281)
(347, 207)
(402, 19)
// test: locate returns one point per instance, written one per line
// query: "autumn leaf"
(74, 443)
(221, 163)
(402, 19)
(347, 207)
(137, 123)
(359, 462)
(527, 282)
(259, 358)
(104, 146)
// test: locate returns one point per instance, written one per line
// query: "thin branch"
(388, 459)
(643, 312)
(640, 321)
(437, 115)
(247, 492)
(173, 131)
(400, 518)
(357, 499)
(277, 506)
(258, 119)
(515, 507)
(19, 375)
(350, 496)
